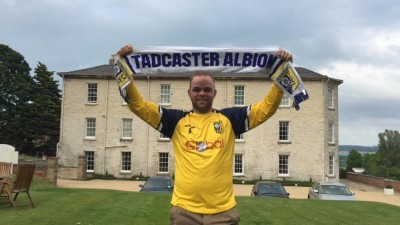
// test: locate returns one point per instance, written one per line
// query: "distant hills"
(365, 149)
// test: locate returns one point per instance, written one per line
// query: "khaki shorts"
(180, 216)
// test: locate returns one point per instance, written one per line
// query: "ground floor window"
(89, 161)
(126, 162)
(283, 165)
(163, 162)
(238, 164)
(331, 166)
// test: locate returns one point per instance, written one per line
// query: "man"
(203, 140)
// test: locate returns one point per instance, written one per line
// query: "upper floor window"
(92, 93)
(331, 133)
(126, 128)
(283, 130)
(238, 164)
(285, 102)
(331, 98)
(239, 95)
(165, 96)
(126, 161)
(162, 136)
(90, 127)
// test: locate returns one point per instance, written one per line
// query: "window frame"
(331, 165)
(89, 155)
(91, 93)
(90, 121)
(126, 162)
(239, 95)
(163, 162)
(284, 131)
(285, 101)
(331, 133)
(165, 94)
(238, 164)
(331, 98)
(283, 165)
(126, 129)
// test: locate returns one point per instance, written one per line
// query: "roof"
(107, 71)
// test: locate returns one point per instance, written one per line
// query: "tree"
(354, 160)
(15, 95)
(389, 148)
(46, 109)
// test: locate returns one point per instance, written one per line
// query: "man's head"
(202, 92)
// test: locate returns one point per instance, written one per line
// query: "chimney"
(111, 60)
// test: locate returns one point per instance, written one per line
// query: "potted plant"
(388, 190)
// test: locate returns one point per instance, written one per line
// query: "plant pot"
(388, 191)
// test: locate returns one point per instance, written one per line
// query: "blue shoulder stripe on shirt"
(169, 119)
(239, 117)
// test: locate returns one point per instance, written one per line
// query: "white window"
(284, 131)
(163, 162)
(331, 166)
(238, 164)
(165, 97)
(284, 165)
(90, 127)
(331, 133)
(126, 128)
(331, 98)
(239, 95)
(285, 102)
(89, 161)
(125, 161)
(92, 93)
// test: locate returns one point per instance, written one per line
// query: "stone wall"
(374, 181)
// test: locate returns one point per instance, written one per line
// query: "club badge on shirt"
(218, 127)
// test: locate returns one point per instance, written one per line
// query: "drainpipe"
(61, 116)
(325, 137)
(105, 115)
(148, 129)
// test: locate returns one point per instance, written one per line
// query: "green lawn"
(58, 206)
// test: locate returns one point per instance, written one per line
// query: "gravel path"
(363, 192)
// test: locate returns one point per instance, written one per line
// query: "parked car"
(269, 189)
(330, 191)
(158, 184)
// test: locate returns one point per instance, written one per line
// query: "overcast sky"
(355, 41)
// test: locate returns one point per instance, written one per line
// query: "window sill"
(125, 172)
(331, 144)
(126, 139)
(330, 108)
(164, 140)
(284, 142)
(283, 176)
(91, 103)
(239, 141)
(89, 139)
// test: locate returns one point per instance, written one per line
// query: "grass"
(97, 207)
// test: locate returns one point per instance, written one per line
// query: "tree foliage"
(354, 160)
(29, 106)
(15, 95)
(386, 161)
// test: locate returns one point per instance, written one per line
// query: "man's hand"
(126, 50)
(284, 55)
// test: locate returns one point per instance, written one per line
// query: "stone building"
(292, 145)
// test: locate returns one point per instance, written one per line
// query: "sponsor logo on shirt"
(202, 146)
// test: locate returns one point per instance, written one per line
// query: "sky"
(356, 41)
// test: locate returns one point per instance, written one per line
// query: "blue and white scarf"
(156, 60)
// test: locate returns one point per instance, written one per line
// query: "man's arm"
(145, 110)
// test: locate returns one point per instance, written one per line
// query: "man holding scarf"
(203, 140)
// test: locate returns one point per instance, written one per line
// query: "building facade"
(292, 145)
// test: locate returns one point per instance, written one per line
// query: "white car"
(330, 191)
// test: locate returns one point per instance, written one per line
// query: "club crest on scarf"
(218, 127)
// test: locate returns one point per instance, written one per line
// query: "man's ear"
(215, 92)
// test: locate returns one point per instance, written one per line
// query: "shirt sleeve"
(261, 111)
